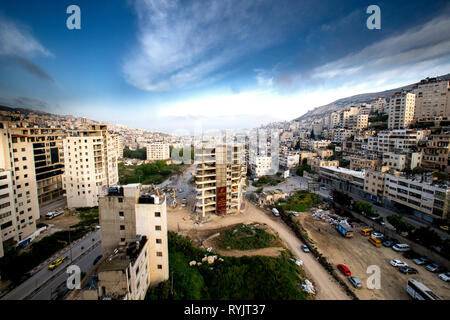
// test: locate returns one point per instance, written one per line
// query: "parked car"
(445, 228)
(422, 260)
(305, 248)
(298, 262)
(295, 214)
(355, 282)
(398, 263)
(401, 247)
(377, 235)
(344, 270)
(434, 267)
(407, 270)
(275, 212)
(445, 276)
(380, 220)
(388, 243)
(330, 197)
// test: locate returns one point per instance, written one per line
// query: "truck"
(345, 229)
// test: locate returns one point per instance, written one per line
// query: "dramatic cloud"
(33, 68)
(420, 51)
(183, 44)
(17, 40)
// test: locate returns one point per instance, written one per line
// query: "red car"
(344, 270)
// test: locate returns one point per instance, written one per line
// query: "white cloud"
(409, 50)
(17, 40)
(189, 44)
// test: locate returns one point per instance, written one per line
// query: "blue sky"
(172, 65)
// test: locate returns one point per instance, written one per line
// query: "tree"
(341, 198)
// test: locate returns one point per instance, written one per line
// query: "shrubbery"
(246, 237)
(245, 278)
(148, 173)
(300, 201)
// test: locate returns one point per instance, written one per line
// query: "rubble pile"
(329, 217)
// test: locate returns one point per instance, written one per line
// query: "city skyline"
(234, 65)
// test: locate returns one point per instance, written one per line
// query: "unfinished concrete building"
(134, 237)
(220, 179)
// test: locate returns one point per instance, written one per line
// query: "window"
(158, 241)
(121, 214)
(120, 199)
(122, 227)
(122, 239)
(157, 214)
(158, 228)
(159, 254)
(160, 266)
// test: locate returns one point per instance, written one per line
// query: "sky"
(224, 64)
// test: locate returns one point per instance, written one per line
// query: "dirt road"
(326, 287)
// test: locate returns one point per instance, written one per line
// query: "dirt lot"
(178, 219)
(358, 253)
(212, 237)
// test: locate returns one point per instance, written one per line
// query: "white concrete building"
(401, 110)
(158, 151)
(90, 160)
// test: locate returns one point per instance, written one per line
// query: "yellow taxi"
(445, 228)
(56, 263)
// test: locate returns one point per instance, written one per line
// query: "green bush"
(147, 173)
(245, 278)
(300, 201)
(246, 237)
(398, 223)
(140, 153)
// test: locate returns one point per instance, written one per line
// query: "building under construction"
(220, 179)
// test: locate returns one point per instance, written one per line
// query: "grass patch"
(88, 217)
(244, 278)
(247, 237)
(147, 173)
(301, 201)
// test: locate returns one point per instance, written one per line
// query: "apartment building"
(8, 223)
(289, 159)
(306, 154)
(378, 105)
(340, 134)
(261, 166)
(90, 161)
(334, 120)
(158, 151)
(374, 184)
(324, 153)
(422, 196)
(432, 99)
(343, 179)
(318, 144)
(401, 110)
(435, 152)
(402, 161)
(19, 205)
(220, 179)
(134, 235)
(48, 159)
(363, 163)
(316, 163)
(397, 141)
(348, 116)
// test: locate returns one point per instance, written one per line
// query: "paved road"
(57, 205)
(181, 182)
(50, 290)
(41, 276)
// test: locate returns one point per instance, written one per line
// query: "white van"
(275, 212)
(401, 247)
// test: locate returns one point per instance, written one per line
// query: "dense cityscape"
(348, 199)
